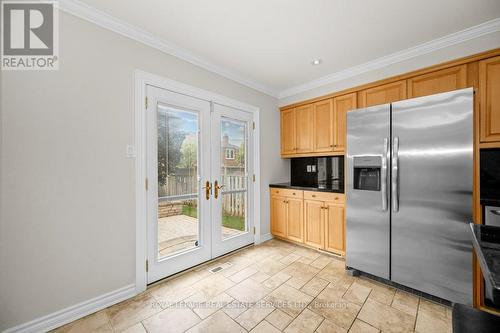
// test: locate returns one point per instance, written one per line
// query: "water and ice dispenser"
(367, 172)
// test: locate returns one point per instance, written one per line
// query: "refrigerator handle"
(395, 175)
(383, 176)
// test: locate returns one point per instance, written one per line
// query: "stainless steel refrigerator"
(409, 193)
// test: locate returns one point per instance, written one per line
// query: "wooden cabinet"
(314, 223)
(489, 97)
(387, 93)
(304, 129)
(295, 219)
(444, 80)
(334, 228)
(288, 131)
(313, 218)
(341, 105)
(323, 126)
(278, 216)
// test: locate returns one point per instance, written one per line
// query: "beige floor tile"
(207, 308)
(332, 306)
(361, 327)
(357, 293)
(243, 274)
(276, 280)
(269, 266)
(289, 300)
(301, 274)
(305, 260)
(96, 322)
(380, 292)
(321, 262)
(386, 318)
(219, 322)
(287, 260)
(265, 327)
(210, 287)
(332, 272)
(171, 320)
(126, 314)
(235, 308)
(279, 319)
(260, 277)
(329, 327)
(168, 296)
(137, 328)
(306, 322)
(306, 253)
(432, 318)
(251, 317)
(314, 286)
(405, 302)
(248, 291)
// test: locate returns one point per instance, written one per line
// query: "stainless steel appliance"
(492, 215)
(409, 193)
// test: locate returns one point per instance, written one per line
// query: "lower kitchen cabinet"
(314, 223)
(334, 228)
(295, 219)
(315, 219)
(278, 216)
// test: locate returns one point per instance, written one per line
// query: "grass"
(228, 221)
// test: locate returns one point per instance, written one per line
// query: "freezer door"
(367, 213)
(432, 194)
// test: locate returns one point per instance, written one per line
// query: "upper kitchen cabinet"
(304, 129)
(437, 82)
(387, 93)
(323, 126)
(341, 105)
(288, 131)
(489, 105)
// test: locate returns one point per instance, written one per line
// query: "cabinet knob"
(314, 195)
(293, 193)
(331, 145)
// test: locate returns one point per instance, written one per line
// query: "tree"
(240, 156)
(170, 139)
(188, 153)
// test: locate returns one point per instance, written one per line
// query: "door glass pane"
(178, 223)
(233, 177)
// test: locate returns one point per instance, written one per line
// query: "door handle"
(216, 189)
(207, 188)
(395, 175)
(383, 176)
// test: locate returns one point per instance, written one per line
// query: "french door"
(199, 181)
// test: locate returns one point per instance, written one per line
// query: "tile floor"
(272, 287)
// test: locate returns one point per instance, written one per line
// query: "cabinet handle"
(314, 195)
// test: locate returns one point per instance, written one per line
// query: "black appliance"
(490, 176)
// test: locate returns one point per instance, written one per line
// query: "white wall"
(483, 43)
(67, 216)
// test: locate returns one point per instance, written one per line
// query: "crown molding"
(409, 53)
(91, 14)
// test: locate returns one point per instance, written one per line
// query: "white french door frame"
(142, 80)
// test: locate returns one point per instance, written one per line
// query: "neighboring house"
(229, 153)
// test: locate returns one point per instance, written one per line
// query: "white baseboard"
(77, 311)
(265, 237)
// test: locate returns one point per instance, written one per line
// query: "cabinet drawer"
(285, 192)
(325, 196)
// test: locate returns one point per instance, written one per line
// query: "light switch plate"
(308, 168)
(131, 153)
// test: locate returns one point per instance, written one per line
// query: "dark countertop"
(303, 188)
(486, 242)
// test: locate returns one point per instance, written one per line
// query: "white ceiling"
(272, 42)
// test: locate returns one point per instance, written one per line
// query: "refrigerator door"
(432, 163)
(367, 209)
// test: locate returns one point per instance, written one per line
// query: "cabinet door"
(278, 216)
(386, 93)
(304, 129)
(288, 131)
(334, 228)
(295, 220)
(323, 124)
(341, 105)
(437, 82)
(489, 93)
(314, 223)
